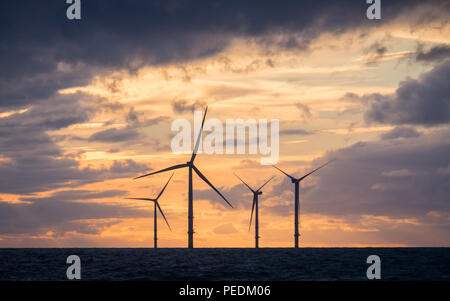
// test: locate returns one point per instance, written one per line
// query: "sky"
(87, 105)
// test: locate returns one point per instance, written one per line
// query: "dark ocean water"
(226, 264)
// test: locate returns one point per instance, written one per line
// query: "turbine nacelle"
(255, 192)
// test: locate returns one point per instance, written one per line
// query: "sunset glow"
(68, 156)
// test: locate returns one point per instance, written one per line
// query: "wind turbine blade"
(251, 215)
(162, 170)
(211, 185)
(315, 170)
(194, 153)
(292, 178)
(164, 187)
(162, 213)
(265, 183)
(244, 183)
(142, 199)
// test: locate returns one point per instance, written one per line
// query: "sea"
(229, 264)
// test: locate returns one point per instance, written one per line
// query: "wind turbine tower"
(155, 212)
(296, 182)
(255, 207)
(191, 167)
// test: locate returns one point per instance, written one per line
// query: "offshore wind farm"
(256, 193)
(238, 264)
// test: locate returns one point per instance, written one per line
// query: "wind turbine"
(155, 201)
(297, 189)
(256, 193)
(190, 165)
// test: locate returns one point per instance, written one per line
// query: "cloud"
(130, 132)
(34, 162)
(46, 56)
(225, 229)
(248, 163)
(56, 113)
(305, 111)
(115, 135)
(444, 170)
(395, 178)
(132, 116)
(424, 101)
(23, 175)
(74, 195)
(295, 132)
(398, 173)
(181, 106)
(238, 195)
(437, 53)
(62, 212)
(126, 167)
(375, 53)
(400, 132)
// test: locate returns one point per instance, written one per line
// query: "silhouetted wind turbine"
(191, 166)
(297, 189)
(256, 193)
(155, 219)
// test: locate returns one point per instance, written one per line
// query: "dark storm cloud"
(22, 87)
(401, 132)
(61, 213)
(423, 101)
(45, 52)
(435, 54)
